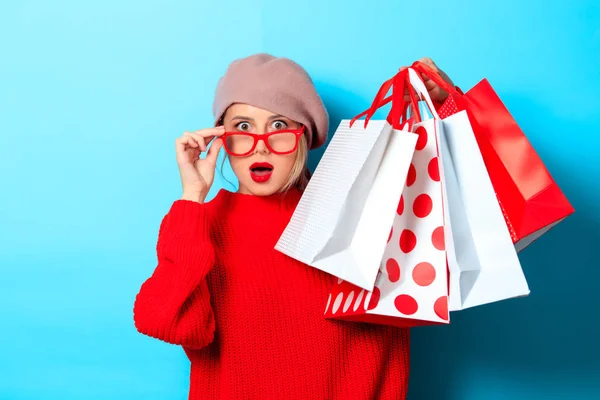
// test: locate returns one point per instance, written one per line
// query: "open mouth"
(261, 172)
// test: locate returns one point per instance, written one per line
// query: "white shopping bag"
(343, 220)
(483, 263)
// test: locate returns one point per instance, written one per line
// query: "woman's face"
(260, 173)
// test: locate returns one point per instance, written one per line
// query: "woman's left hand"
(436, 93)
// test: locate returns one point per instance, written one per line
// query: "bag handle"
(416, 82)
(399, 106)
(397, 116)
(379, 100)
(429, 72)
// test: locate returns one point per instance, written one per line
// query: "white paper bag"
(483, 263)
(343, 220)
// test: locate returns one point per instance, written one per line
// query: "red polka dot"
(391, 233)
(423, 205)
(437, 237)
(400, 208)
(422, 140)
(412, 175)
(393, 269)
(374, 298)
(441, 307)
(434, 169)
(406, 304)
(408, 241)
(424, 274)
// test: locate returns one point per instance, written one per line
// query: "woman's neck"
(286, 200)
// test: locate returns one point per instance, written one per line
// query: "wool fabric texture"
(275, 84)
(250, 318)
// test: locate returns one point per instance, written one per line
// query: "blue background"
(93, 95)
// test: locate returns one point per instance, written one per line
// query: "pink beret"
(278, 85)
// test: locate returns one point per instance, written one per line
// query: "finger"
(201, 141)
(204, 141)
(216, 131)
(194, 140)
(213, 151)
(180, 144)
(195, 154)
(438, 94)
(429, 62)
(205, 136)
(430, 85)
(425, 78)
(183, 142)
(418, 96)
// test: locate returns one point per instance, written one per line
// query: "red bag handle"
(397, 114)
(380, 100)
(399, 106)
(429, 72)
(414, 102)
(377, 102)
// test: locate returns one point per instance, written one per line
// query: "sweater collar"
(277, 201)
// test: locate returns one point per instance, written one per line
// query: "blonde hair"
(299, 175)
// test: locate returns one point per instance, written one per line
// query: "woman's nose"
(261, 147)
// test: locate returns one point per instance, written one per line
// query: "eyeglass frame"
(265, 138)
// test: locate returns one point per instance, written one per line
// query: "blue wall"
(93, 94)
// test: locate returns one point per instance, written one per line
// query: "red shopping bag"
(531, 200)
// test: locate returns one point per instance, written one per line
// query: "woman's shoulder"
(216, 204)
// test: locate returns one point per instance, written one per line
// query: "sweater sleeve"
(173, 304)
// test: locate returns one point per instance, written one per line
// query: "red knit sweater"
(250, 319)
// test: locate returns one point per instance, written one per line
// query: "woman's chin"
(261, 189)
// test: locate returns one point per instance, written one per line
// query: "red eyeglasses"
(278, 142)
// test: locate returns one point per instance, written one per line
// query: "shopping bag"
(343, 219)
(483, 262)
(531, 200)
(411, 288)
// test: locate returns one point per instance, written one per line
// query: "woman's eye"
(243, 126)
(278, 125)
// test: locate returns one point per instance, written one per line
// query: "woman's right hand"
(197, 175)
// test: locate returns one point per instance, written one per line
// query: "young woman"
(249, 318)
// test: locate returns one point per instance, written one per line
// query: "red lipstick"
(261, 172)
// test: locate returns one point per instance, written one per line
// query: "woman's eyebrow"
(276, 116)
(242, 117)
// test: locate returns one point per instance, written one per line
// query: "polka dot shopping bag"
(411, 288)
